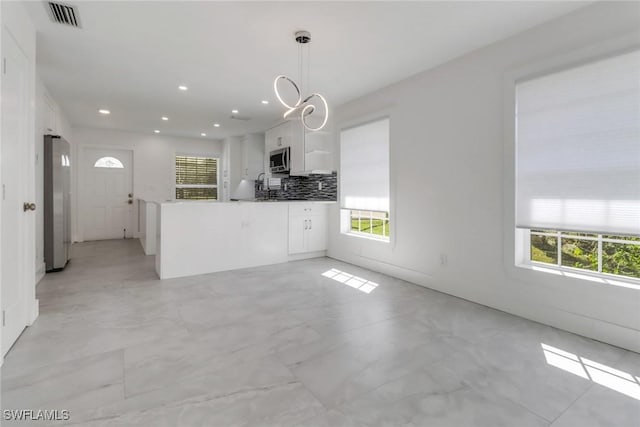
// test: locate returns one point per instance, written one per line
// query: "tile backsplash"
(303, 187)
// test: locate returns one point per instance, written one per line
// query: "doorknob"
(26, 206)
(130, 201)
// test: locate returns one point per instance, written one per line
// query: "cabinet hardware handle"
(310, 224)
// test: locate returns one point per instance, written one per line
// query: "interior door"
(14, 154)
(107, 196)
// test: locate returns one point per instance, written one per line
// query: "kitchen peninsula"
(205, 237)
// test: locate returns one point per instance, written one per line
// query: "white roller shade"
(578, 148)
(364, 167)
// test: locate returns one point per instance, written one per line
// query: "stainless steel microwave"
(279, 160)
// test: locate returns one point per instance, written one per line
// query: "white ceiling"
(130, 56)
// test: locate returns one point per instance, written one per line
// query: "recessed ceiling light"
(234, 111)
(182, 87)
(265, 102)
(203, 134)
(165, 118)
(103, 111)
(156, 131)
(216, 125)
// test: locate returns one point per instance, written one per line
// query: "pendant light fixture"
(303, 107)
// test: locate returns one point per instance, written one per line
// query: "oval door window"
(108, 162)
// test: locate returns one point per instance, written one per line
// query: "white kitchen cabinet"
(276, 138)
(310, 152)
(307, 228)
(245, 164)
(252, 155)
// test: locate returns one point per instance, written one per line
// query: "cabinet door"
(317, 233)
(254, 155)
(297, 231)
(297, 135)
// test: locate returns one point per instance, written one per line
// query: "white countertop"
(175, 202)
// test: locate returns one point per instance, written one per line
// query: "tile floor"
(294, 345)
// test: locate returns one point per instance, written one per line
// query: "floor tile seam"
(590, 387)
(195, 374)
(299, 380)
(342, 339)
(207, 397)
(30, 369)
(480, 388)
(59, 402)
(74, 359)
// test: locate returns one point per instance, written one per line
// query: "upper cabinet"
(245, 163)
(252, 155)
(310, 151)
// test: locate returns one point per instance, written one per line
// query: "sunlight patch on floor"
(363, 285)
(606, 376)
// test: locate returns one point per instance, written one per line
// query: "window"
(578, 167)
(364, 179)
(618, 255)
(196, 178)
(108, 162)
(374, 224)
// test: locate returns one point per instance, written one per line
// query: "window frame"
(216, 186)
(560, 235)
(516, 244)
(345, 214)
(370, 235)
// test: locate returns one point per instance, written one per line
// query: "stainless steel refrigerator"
(57, 203)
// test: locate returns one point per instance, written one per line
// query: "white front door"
(107, 194)
(16, 166)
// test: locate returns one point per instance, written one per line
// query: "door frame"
(27, 187)
(77, 206)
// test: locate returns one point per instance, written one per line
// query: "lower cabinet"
(307, 228)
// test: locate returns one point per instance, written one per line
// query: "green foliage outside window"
(370, 222)
(618, 257)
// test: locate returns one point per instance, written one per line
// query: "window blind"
(196, 170)
(364, 167)
(196, 178)
(578, 148)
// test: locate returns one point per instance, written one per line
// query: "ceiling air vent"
(61, 13)
(236, 117)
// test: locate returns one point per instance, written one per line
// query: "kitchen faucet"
(260, 181)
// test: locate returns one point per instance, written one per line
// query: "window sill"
(368, 237)
(574, 273)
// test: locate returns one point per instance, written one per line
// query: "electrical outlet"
(443, 260)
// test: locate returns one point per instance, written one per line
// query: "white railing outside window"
(597, 253)
(370, 223)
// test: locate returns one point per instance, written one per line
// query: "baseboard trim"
(308, 255)
(35, 312)
(40, 272)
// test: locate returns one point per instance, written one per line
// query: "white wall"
(153, 162)
(452, 187)
(60, 126)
